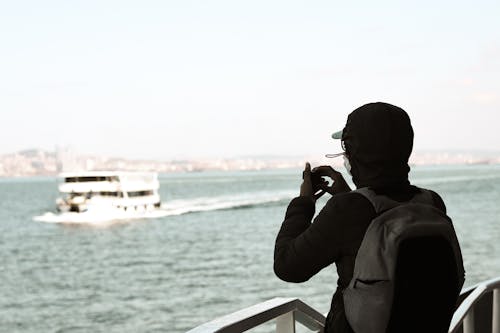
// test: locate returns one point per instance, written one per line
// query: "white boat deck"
(478, 312)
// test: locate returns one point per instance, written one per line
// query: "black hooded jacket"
(378, 139)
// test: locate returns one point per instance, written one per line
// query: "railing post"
(496, 311)
(469, 322)
(286, 323)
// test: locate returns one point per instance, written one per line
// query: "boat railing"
(285, 311)
(478, 312)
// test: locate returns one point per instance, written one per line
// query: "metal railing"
(480, 310)
(286, 311)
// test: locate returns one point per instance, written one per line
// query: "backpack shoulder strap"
(382, 203)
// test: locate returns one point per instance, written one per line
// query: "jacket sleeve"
(303, 248)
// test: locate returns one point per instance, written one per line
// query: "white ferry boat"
(117, 191)
(97, 196)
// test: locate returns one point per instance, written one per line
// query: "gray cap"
(337, 135)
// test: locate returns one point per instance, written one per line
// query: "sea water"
(211, 252)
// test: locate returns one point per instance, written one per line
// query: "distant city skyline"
(36, 162)
(186, 79)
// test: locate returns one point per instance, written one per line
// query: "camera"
(316, 179)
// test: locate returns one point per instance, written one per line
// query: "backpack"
(368, 298)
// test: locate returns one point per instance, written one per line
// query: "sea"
(209, 254)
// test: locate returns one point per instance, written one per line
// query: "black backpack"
(409, 263)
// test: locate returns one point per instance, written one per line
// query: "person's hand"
(308, 189)
(339, 184)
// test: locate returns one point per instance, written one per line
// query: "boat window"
(86, 179)
(108, 194)
(139, 193)
(92, 194)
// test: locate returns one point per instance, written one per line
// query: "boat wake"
(172, 208)
(202, 204)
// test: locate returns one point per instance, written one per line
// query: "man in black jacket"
(378, 140)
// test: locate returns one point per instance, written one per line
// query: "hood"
(378, 139)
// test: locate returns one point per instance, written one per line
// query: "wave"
(202, 204)
(173, 208)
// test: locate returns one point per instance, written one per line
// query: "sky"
(187, 79)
